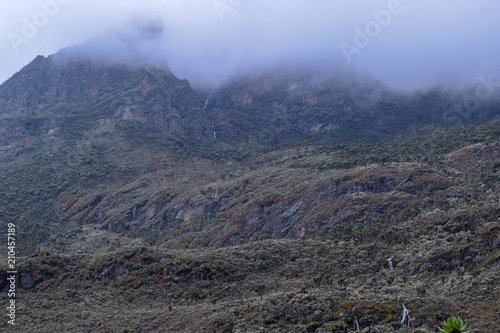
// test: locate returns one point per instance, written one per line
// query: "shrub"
(453, 325)
(312, 326)
(71, 292)
(338, 327)
(260, 289)
(317, 280)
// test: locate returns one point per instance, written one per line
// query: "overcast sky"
(405, 44)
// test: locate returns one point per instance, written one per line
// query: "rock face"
(250, 213)
(277, 107)
(58, 86)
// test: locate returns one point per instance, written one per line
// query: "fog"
(405, 44)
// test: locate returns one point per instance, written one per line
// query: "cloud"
(137, 43)
(425, 43)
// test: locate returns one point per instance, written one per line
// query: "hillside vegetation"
(273, 209)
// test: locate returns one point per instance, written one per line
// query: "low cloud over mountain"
(405, 44)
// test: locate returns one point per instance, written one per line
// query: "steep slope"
(304, 191)
(70, 125)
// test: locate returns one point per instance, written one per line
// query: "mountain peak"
(48, 80)
(150, 95)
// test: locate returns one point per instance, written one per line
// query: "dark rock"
(27, 281)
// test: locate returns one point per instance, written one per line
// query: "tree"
(260, 289)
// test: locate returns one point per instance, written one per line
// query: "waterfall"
(406, 317)
(390, 264)
(355, 319)
(208, 98)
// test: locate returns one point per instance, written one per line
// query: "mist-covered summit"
(267, 107)
(78, 91)
(124, 76)
(82, 70)
(301, 104)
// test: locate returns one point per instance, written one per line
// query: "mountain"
(265, 203)
(54, 88)
(296, 106)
